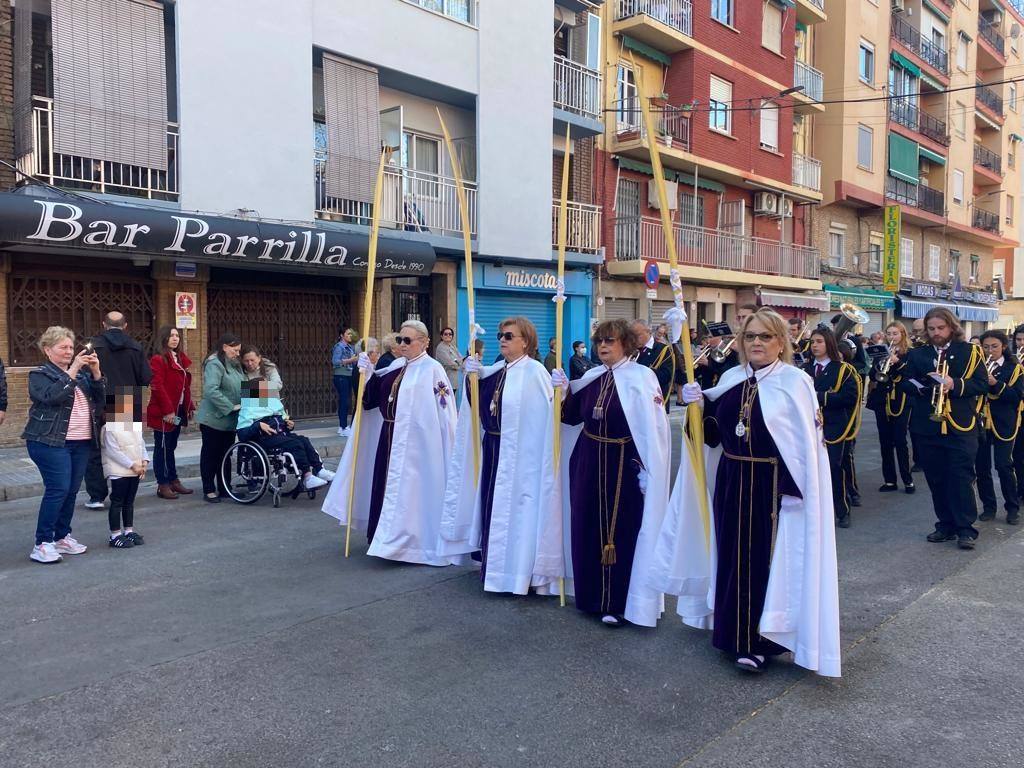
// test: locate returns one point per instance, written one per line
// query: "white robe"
(801, 610)
(642, 402)
(410, 517)
(525, 504)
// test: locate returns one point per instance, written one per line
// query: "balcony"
(810, 79)
(916, 195)
(985, 220)
(903, 32)
(663, 24)
(92, 174)
(672, 124)
(460, 10)
(411, 200)
(987, 96)
(577, 89)
(987, 159)
(641, 238)
(583, 226)
(810, 11)
(990, 34)
(909, 115)
(806, 172)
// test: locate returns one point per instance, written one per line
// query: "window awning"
(937, 11)
(645, 50)
(934, 157)
(1016, 137)
(866, 298)
(683, 178)
(975, 312)
(926, 78)
(906, 63)
(903, 158)
(914, 308)
(814, 301)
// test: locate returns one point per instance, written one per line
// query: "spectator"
(124, 464)
(661, 334)
(550, 361)
(3, 394)
(878, 337)
(218, 413)
(124, 365)
(63, 428)
(388, 344)
(580, 363)
(343, 358)
(256, 366)
(447, 354)
(371, 347)
(170, 408)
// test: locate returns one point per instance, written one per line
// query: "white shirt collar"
(650, 343)
(760, 373)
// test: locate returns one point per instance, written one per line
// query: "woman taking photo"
(1000, 427)
(618, 470)
(218, 412)
(170, 407)
(447, 354)
(63, 428)
(773, 533)
(892, 412)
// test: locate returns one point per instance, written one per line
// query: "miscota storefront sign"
(29, 222)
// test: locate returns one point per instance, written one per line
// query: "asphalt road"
(240, 636)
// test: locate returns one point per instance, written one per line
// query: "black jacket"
(53, 394)
(839, 393)
(3, 387)
(886, 397)
(122, 360)
(660, 359)
(969, 383)
(578, 366)
(708, 375)
(1001, 406)
(384, 361)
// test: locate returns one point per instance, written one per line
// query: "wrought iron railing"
(988, 96)
(820, 4)
(985, 220)
(806, 172)
(931, 200)
(583, 226)
(672, 124)
(918, 195)
(577, 88)
(988, 159)
(988, 32)
(906, 113)
(810, 79)
(677, 14)
(903, 31)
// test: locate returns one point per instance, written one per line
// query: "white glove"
(675, 317)
(692, 393)
(365, 364)
(472, 365)
(642, 480)
(559, 380)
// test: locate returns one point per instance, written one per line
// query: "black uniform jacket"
(887, 397)
(1001, 406)
(839, 394)
(662, 361)
(959, 415)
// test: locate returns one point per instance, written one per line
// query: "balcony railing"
(985, 220)
(810, 78)
(411, 200)
(677, 14)
(671, 123)
(903, 31)
(991, 35)
(917, 195)
(906, 113)
(819, 4)
(94, 175)
(988, 96)
(577, 88)
(460, 10)
(988, 159)
(583, 226)
(806, 172)
(641, 238)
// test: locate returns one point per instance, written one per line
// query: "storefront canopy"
(916, 308)
(814, 301)
(35, 222)
(865, 298)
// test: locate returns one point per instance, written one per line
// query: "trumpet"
(990, 364)
(719, 353)
(939, 394)
(883, 368)
(1020, 355)
(704, 352)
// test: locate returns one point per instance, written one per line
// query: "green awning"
(645, 50)
(683, 178)
(906, 63)
(866, 298)
(903, 158)
(801, 27)
(934, 157)
(1016, 137)
(785, 3)
(937, 11)
(926, 78)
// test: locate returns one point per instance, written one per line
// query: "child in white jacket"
(125, 459)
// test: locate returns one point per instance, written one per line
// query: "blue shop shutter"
(492, 308)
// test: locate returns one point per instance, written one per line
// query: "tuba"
(851, 317)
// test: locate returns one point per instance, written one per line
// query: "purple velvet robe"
(377, 394)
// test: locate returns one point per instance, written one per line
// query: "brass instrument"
(990, 364)
(704, 352)
(939, 394)
(721, 352)
(1020, 355)
(852, 316)
(883, 368)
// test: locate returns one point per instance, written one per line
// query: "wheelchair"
(255, 470)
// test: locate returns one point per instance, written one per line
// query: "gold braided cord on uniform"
(990, 422)
(854, 423)
(972, 366)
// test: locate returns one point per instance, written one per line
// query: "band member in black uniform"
(657, 356)
(892, 410)
(1018, 444)
(710, 369)
(999, 426)
(945, 425)
(839, 392)
(801, 344)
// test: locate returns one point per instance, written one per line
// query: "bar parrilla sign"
(891, 249)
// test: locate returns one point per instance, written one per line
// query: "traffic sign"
(652, 273)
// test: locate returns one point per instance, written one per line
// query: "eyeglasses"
(405, 339)
(507, 336)
(605, 340)
(447, 333)
(764, 337)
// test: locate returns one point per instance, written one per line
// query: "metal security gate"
(492, 308)
(295, 328)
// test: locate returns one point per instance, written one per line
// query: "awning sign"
(891, 250)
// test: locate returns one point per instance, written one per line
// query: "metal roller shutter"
(620, 309)
(492, 308)
(658, 310)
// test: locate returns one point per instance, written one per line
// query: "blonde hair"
(775, 323)
(388, 341)
(53, 335)
(904, 343)
(417, 326)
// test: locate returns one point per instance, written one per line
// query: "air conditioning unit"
(898, 6)
(765, 203)
(671, 192)
(787, 211)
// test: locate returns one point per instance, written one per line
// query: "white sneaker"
(341, 431)
(325, 474)
(45, 553)
(68, 546)
(90, 504)
(312, 482)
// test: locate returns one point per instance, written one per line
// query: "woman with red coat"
(170, 408)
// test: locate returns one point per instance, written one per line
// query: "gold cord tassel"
(608, 555)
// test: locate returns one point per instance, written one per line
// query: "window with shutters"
(1012, 96)
(722, 10)
(960, 119)
(866, 62)
(906, 257)
(836, 248)
(875, 243)
(962, 43)
(422, 155)
(865, 146)
(769, 126)
(353, 128)
(958, 187)
(954, 265)
(1009, 209)
(975, 267)
(627, 115)
(771, 27)
(691, 209)
(934, 257)
(719, 114)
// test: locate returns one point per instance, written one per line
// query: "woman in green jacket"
(218, 412)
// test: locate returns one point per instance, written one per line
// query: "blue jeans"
(164, 444)
(62, 470)
(343, 386)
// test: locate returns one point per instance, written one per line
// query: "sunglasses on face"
(764, 337)
(405, 339)
(609, 340)
(506, 336)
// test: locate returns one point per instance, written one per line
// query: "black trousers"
(850, 471)
(216, 443)
(993, 450)
(95, 482)
(948, 464)
(892, 440)
(840, 496)
(122, 502)
(299, 446)
(1018, 457)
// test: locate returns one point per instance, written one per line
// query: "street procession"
(528, 383)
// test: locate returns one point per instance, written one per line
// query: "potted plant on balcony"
(661, 107)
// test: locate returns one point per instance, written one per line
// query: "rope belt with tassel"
(608, 556)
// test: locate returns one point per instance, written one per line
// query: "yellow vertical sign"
(891, 250)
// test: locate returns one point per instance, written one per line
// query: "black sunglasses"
(506, 336)
(605, 339)
(404, 339)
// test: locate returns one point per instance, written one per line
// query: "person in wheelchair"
(264, 421)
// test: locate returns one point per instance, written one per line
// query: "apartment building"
(943, 145)
(229, 150)
(735, 95)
